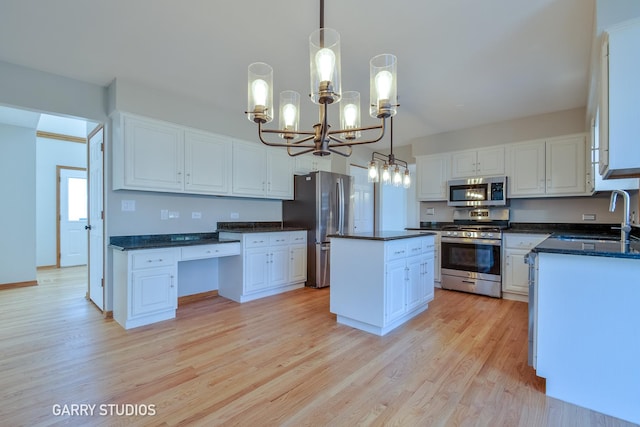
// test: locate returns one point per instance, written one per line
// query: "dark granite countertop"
(255, 227)
(587, 245)
(380, 235)
(433, 226)
(152, 241)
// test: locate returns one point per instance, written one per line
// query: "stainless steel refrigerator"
(323, 204)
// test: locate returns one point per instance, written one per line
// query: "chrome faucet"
(625, 227)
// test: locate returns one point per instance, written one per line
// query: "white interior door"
(363, 207)
(96, 220)
(73, 216)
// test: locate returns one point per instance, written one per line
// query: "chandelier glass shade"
(326, 89)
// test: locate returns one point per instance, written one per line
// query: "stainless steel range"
(471, 251)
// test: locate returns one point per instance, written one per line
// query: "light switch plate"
(196, 215)
(128, 205)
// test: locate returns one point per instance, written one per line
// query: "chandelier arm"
(299, 132)
(309, 150)
(347, 154)
(365, 128)
(280, 144)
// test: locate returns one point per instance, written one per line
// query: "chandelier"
(390, 168)
(324, 55)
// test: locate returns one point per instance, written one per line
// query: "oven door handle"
(489, 242)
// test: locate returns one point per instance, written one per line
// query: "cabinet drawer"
(210, 251)
(524, 241)
(414, 247)
(153, 258)
(256, 240)
(298, 237)
(396, 251)
(278, 239)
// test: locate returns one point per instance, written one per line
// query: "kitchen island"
(586, 334)
(381, 280)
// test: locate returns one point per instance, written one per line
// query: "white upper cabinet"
(619, 98)
(207, 160)
(432, 176)
(148, 155)
(474, 163)
(152, 155)
(552, 167)
(261, 172)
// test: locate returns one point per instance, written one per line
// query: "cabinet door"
(526, 169)
(153, 290)
(416, 288)
(516, 272)
(395, 290)
(463, 164)
(278, 266)
(298, 263)
(256, 269)
(279, 175)
(565, 165)
(153, 155)
(432, 176)
(249, 169)
(490, 161)
(207, 163)
(428, 275)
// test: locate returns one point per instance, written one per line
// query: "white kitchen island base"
(379, 281)
(588, 332)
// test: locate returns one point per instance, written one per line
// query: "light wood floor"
(281, 360)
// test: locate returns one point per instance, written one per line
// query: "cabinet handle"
(155, 260)
(188, 178)
(179, 176)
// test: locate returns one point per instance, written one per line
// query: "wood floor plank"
(278, 361)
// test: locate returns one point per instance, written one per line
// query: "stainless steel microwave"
(471, 192)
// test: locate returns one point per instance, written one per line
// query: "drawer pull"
(155, 260)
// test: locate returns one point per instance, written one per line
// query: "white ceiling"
(461, 63)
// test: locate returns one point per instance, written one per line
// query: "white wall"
(17, 215)
(524, 129)
(49, 154)
(146, 218)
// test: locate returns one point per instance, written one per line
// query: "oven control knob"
(455, 233)
(469, 234)
(482, 234)
(490, 235)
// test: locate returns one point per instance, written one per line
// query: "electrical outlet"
(196, 215)
(235, 215)
(588, 217)
(430, 211)
(128, 205)
(174, 214)
(164, 214)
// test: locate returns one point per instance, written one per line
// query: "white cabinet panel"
(261, 172)
(153, 155)
(515, 274)
(552, 167)
(432, 176)
(270, 263)
(475, 163)
(207, 164)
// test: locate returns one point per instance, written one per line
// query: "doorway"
(72, 216)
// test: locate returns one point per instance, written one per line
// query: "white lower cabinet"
(515, 273)
(270, 263)
(146, 284)
(378, 285)
(145, 288)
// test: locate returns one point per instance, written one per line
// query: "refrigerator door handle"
(340, 206)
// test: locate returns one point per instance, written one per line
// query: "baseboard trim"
(47, 267)
(19, 284)
(108, 314)
(188, 299)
